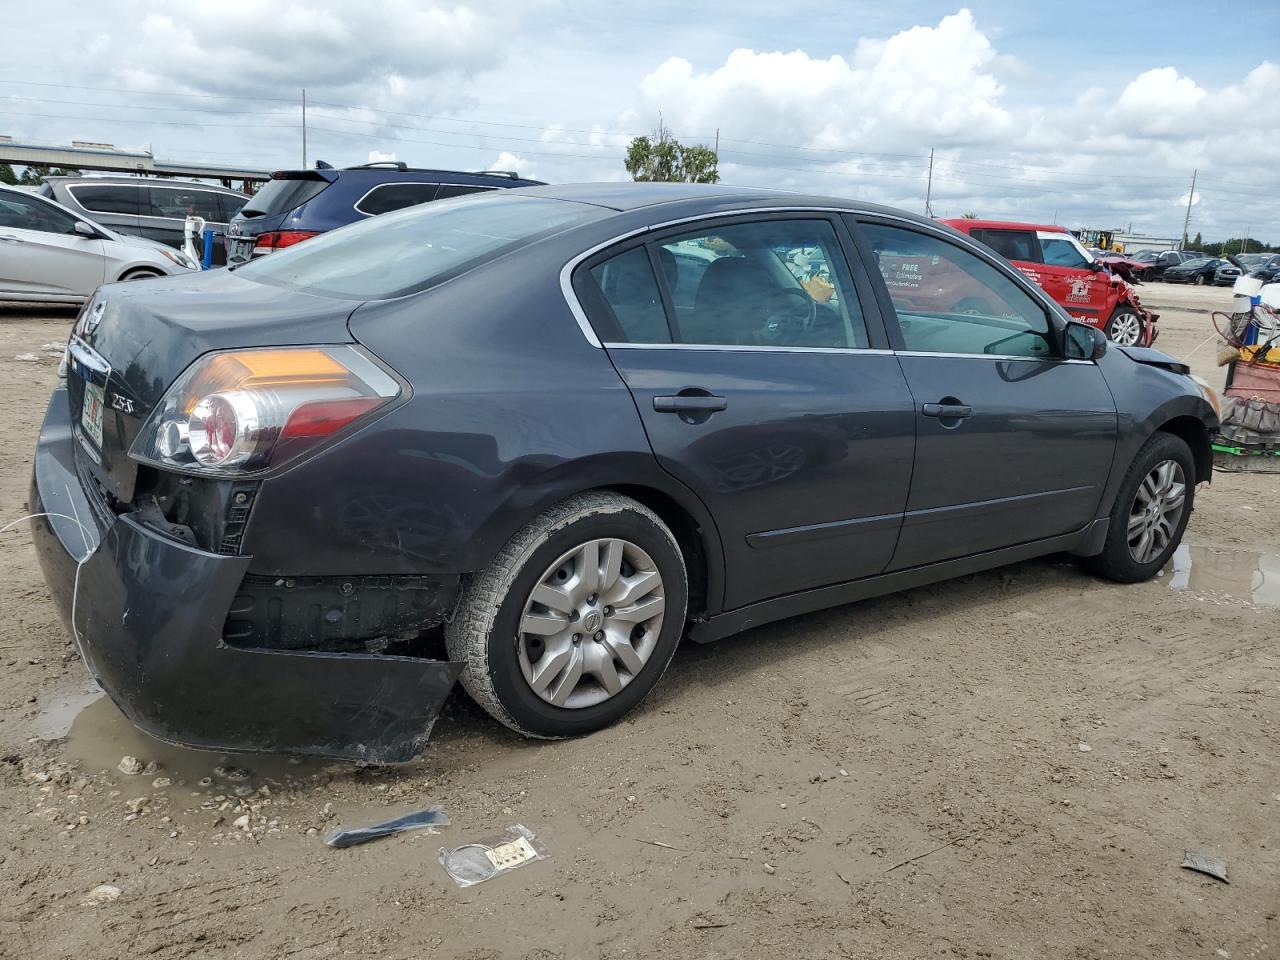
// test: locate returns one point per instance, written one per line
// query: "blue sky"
(1094, 113)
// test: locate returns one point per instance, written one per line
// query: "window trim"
(873, 318)
(1054, 316)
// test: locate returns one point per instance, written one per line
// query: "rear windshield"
(279, 196)
(400, 253)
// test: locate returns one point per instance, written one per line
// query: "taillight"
(242, 411)
(275, 239)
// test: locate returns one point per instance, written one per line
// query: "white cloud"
(381, 156)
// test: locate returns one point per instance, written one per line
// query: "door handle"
(947, 411)
(690, 403)
(9, 239)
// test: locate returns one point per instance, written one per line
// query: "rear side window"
(1061, 252)
(280, 196)
(1010, 244)
(395, 196)
(630, 289)
(108, 198)
(230, 205)
(409, 250)
(949, 300)
(178, 203)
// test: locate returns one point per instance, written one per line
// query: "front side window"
(395, 196)
(108, 198)
(27, 212)
(950, 301)
(776, 283)
(410, 250)
(1061, 252)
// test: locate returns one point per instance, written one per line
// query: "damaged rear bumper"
(147, 613)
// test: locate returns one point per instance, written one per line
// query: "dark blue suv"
(296, 204)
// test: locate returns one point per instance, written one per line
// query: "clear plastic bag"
(473, 863)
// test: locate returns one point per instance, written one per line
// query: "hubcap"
(1156, 511)
(591, 623)
(1126, 329)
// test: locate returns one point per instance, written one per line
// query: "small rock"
(173, 834)
(312, 832)
(1222, 953)
(631, 799)
(231, 773)
(131, 766)
(159, 783)
(782, 806)
(104, 893)
(1084, 748)
(769, 868)
(843, 772)
(151, 768)
(137, 803)
(241, 822)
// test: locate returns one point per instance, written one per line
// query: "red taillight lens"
(241, 411)
(276, 239)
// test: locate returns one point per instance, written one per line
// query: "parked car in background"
(1157, 262)
(151, 207)
(295, 205)
(1130, 268)
(49, 254)
(1056, 260)
(1264, 266)
(574, 424)
(1226, 273)
(1199, 271)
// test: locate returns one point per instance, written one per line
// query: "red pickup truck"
(1059, 263)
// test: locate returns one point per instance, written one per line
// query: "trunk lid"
(136, 338)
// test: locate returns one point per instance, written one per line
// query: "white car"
(50, 255)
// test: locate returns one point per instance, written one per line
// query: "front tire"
(1199, 281)
(1124, 327)
(575, 620)
(1151, 511)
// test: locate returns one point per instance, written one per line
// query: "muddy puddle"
(1249, 576)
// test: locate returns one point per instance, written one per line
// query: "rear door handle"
(693, 403)
(947, 411)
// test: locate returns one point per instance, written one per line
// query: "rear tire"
(555, 680)
(1199, 281)
(140, 275)
(1149, 503)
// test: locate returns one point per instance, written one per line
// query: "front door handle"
(690, 403)
(947, 411)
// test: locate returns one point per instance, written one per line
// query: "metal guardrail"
(110, 160)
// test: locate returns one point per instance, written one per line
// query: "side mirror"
(1084, 342)
(84, 230)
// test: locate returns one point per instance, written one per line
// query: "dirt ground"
(1009, 766)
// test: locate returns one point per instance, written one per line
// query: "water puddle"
(1250, 576)
(59, 712)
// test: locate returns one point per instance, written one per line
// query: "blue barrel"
(206, 255)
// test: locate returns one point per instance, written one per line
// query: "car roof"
(695, 198)
(389, 171)
(159, 181)
(962, 224)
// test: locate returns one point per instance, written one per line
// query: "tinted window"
(395, 196)
(630, 289)
(230, 205)
(180, 202)
(778, 283)
(409, 250)
(108, 198)
(950, 301)
(279, 196)
(1062, 253)
(31, 213)
(448, 190)
(1010, 244)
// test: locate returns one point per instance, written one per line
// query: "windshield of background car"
(399, 253)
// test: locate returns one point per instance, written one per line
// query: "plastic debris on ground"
(1205, 863)
(349, 837)
(473, 863)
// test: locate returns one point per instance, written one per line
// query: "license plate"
(91, 413)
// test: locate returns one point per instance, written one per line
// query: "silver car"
(48, 254)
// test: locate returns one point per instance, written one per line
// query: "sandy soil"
(1010, 766)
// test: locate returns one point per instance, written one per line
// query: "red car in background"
(1059, 263)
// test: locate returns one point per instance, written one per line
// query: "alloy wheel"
(1156, 511)
(1126, 329)
(591, 623)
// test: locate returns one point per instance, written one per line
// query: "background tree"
(663, 158)
(970, 216)
(34, 175)
(1198, 242)
(6, 174)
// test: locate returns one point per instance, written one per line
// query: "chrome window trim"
(201, 188)
(742, 348)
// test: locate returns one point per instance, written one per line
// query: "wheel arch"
(1192, 431)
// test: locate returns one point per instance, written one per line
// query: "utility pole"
(928, 193)
(717, 143)
(1190, 198)
(1244, 241)
(304, 128)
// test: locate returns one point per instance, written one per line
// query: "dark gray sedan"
(533, 438)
